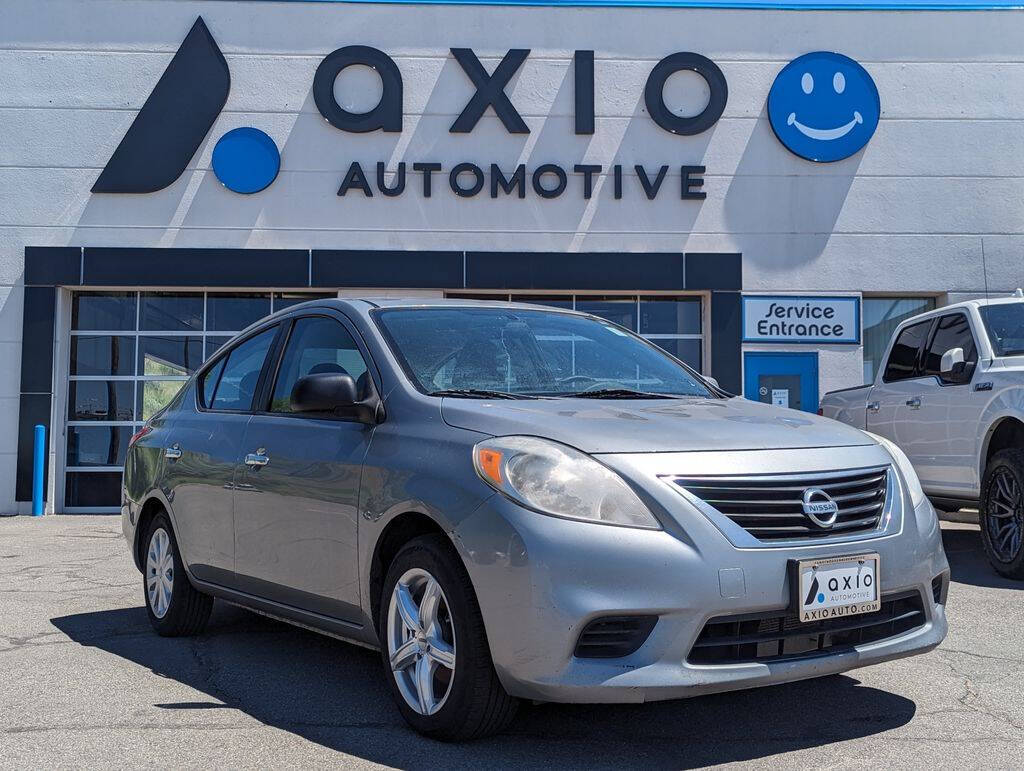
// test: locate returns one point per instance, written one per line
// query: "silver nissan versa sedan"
(515, 502)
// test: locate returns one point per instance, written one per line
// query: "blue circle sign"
(823, 106)
(246, 160)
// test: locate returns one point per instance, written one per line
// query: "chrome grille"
(770, 508)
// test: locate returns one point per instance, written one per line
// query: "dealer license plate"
(837, 587)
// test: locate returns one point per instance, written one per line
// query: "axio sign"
(189, 96)
(804, 319)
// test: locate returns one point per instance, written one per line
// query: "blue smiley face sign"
(823, 106)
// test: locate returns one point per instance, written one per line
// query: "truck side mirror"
(953, 368)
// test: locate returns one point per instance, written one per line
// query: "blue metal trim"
(805, 341)
(779, 5)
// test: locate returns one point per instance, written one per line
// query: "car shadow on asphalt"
(967, 561)
(334, 694)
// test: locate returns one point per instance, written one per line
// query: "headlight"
(906, 468)
(556, 479)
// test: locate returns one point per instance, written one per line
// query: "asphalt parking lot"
(85, 683)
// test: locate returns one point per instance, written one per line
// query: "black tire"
(1004, 471)
(476, 705)
(188, 609)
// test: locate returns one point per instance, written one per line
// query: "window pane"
(952, 331)
(686, 350)
(1005, 326)
(553, 301)
(98, 445)
(100, 400)
(241, 374)
(669, 316)
(169, 311)
(284, 300)
(234, 312)
(903, 359)
(210, 379)
(316, 345)
(102, 355)
(93, 489)
(881, 317)
(155, 394)
(618, 310)
(103, 310)
(170, 356)
(214, 344)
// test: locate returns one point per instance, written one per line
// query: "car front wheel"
(435, 649)
(174, 606)
(1002, 513)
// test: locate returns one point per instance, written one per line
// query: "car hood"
(653, 425)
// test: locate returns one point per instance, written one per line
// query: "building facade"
(172, 171)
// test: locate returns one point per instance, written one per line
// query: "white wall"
(943, 174)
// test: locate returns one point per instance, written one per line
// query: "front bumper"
(540, 580)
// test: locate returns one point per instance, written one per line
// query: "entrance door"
(783, 379)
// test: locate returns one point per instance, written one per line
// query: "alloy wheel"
(1005, 515)
(421, 641)
(159, 572)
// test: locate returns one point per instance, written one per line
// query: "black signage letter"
(391, 192)
(516, 181)
(583, 69)
(549, 168)
(427, 169)
(691, 180)
(355, 178)
(467, 168)
(386, 116)
(490, 91)
(651, 188)
(588, 171)
(655, 98)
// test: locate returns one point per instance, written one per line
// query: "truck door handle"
(873, 406)
(915, 403)
(258, 458)
(173, 452)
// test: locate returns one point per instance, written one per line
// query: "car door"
(296, 497)
(204, 453)
(888, 411)
(941, 437)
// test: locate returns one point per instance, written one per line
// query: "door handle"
(173, 452)
(915, 403)
(258, 458)
(873, 406)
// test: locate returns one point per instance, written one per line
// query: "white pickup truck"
(950, 394)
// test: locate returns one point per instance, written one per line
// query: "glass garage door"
(672, 322)
(130, 352)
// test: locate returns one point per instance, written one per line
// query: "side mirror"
(332, 392)
(711, 381)
(953, 367)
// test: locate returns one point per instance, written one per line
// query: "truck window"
(952, 331)
(903, 359)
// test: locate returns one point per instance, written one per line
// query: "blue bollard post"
(38, 471)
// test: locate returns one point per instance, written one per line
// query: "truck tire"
(1002, 513)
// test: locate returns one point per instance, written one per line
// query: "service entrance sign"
(800, 319)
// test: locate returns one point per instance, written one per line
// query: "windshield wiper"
(479, 393)
(618, 393)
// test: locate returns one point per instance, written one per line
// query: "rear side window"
(317, 345)
(952, 331)
(231, 383)
(903, 358)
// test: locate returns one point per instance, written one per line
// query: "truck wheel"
(1002, 513)
(435, 650)
(174, 606)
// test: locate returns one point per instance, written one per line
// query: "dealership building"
(763, 189)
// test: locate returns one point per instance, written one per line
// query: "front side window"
(232, 385)
(903, 359)
(952, 331)
(317, 345)
(1004, 324)
(527, 352)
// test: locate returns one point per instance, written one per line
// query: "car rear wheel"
(435, 649)
(174, 606)
(1002, 513)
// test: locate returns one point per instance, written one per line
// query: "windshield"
(528, 353)
(1004, 324)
